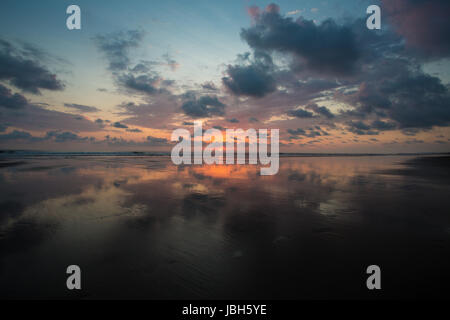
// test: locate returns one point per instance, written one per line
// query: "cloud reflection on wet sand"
(142, 227)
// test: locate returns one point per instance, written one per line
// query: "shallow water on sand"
(140, 227)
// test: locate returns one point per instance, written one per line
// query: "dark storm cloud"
(328, 47)
(116, 46)
(10, 100)
(119, 125)
(80, 107)
(423, 23)
(205, 106)
(250, 77)
(23, 69)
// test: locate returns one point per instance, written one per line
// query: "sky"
(137, 70)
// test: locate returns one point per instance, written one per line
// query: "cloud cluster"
(378, 78)
(55, 136)
(17, 110)
(10, 100)
(317, 131)
(205, 106)
(140, 77)
(327, 47)
(423, 23)
(251, 77)
(116, 47)
(21, 67)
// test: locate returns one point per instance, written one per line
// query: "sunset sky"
(139, 69)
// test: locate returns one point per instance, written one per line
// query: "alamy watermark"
(252, 144)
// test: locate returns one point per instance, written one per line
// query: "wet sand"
(140, 227)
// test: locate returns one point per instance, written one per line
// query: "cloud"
(361, 128)
(81, 107)
(322, 111)
(233, 120)
(249, 77)
(20, 113)
(423, 23)
(153, 141)
(171, 63)
(16, 135)
(64, 136)
(297, 132)
(209, 86)
(300, 113)
(328, 47)
(22, 69)
(140, 78)
(56, 136)
(311, 133)
(115, 46)
(293, 12)
(205, 106)
(143, 83)
(10, 100)
(157, 112)
(148, 142)
(399, 90)
(33, 117)
(119, 125)
(36, 118)
(134, 130)
(383, 125)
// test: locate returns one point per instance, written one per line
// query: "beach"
(141, 227)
